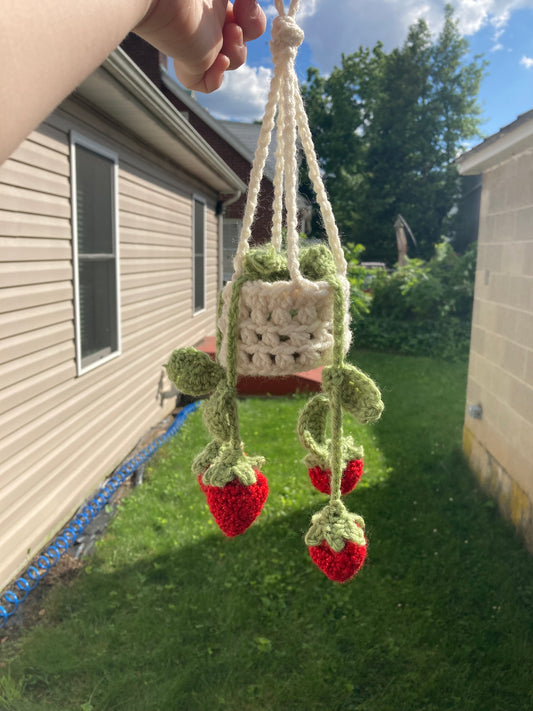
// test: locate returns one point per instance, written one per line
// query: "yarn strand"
(318, 184)
(289, 135)
(279, 186)
(286, 38)
(256, 174)
(336, 395)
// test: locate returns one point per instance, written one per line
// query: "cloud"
(473, 14)
(497, 46)
(527, 62)
(242, 96)
(353, 23)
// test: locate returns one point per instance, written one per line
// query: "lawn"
(169, 615)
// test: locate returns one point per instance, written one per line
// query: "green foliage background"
(421, 308)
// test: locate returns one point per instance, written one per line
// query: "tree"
(387, 128)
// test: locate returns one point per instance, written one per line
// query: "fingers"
(205, 82)
(233, 45)
(215, 74)
(244, 21)
(250, 17)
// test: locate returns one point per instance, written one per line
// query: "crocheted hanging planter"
(285, 310)
(283, 327)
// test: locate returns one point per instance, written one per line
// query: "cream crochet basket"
(283, 327)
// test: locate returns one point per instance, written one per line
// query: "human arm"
(47, 48)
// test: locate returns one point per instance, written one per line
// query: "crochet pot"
(283, 327)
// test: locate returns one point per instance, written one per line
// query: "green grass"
(170, 615)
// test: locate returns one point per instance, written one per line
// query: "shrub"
(421, 308)
(446, 338)
(358, 277)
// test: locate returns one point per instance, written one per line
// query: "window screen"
(96, 255)
(199, 255)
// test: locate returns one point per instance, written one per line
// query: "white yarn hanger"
(285, 96)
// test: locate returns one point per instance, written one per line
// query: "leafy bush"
(420, 308)
(359, 278)
(448, 338)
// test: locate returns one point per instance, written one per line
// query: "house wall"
(61, 435)
(149, 60)
(262, 225)
(500, 444)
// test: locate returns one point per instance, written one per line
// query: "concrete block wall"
(500, 444)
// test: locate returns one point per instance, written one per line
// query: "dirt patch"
(33, 608)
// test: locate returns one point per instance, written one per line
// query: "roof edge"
(132, 79)
(192, 104)
(203, 114)
(508, 142)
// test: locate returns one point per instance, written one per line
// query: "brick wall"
(500, 444)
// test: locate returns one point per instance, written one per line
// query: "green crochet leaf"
(317, 263)
(231, 463)
(265, 263)
(193, 372)
(359, 394)
(205, 458)
(312, 434)
(335, 525)
(322, 457)
(312, 427)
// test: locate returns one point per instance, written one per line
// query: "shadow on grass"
(440, 617)
(430, 623)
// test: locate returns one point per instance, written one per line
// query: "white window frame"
(199, 199)
(77, 139)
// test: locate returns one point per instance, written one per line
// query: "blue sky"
(507, 90)
(501, 30)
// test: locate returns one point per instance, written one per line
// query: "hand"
(203, 37)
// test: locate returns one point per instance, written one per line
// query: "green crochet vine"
(345, 387)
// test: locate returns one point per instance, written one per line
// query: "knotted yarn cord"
(285, 97)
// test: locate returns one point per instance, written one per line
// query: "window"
(199, 255)
(231, 230)
(96, 276)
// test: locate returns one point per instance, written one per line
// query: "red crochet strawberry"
(340, 566)
(320, 478)
(235, 506)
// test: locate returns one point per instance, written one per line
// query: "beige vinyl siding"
(60, 434)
